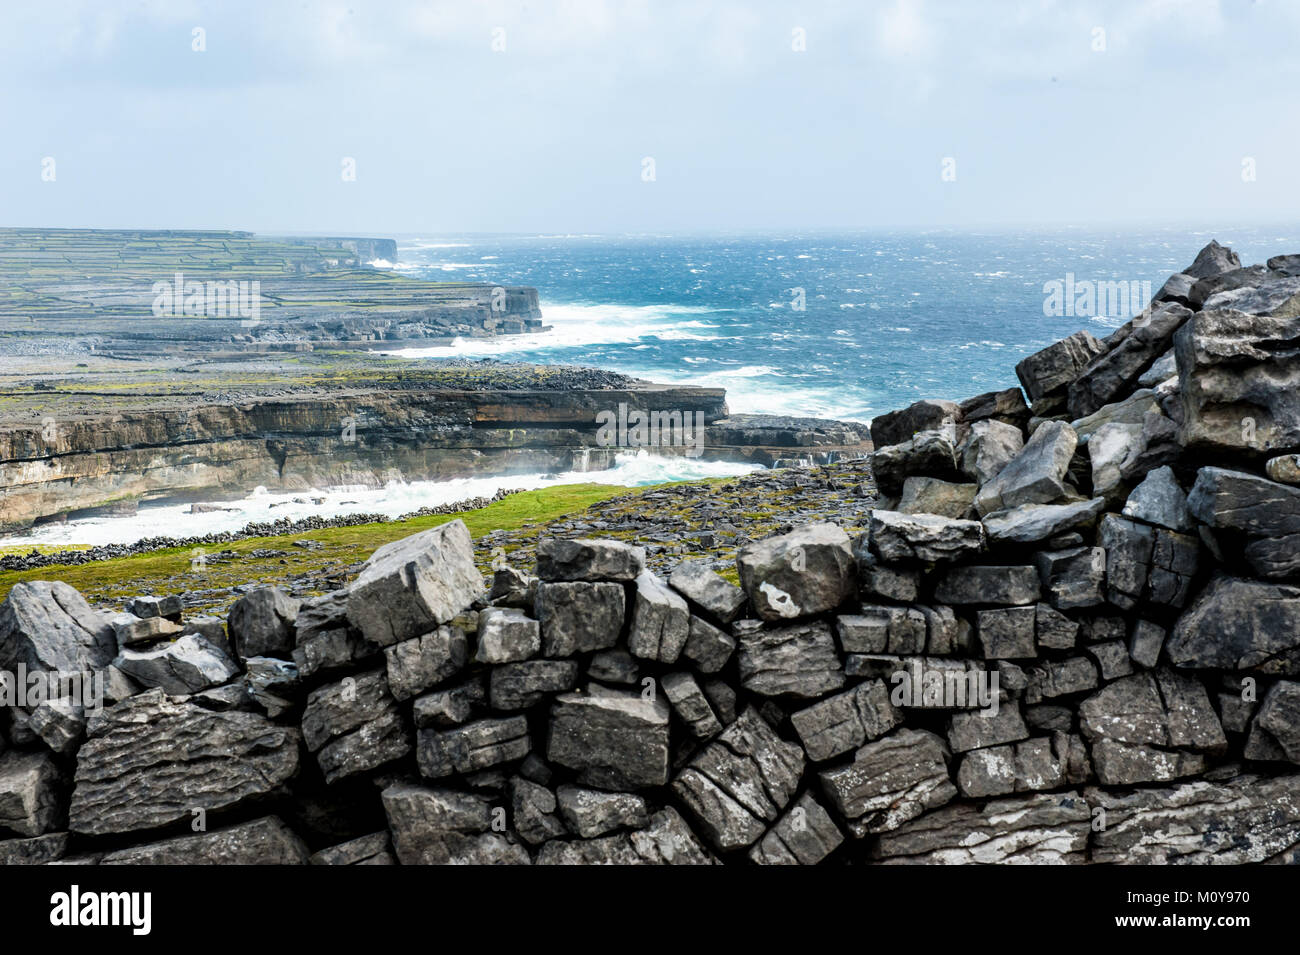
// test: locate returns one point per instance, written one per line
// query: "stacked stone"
(1070, 634)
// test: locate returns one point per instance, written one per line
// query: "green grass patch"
(225, 565)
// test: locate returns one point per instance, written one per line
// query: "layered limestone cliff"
(71, 463)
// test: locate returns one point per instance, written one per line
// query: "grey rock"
(1175, 289)
(1160, 500)
(272, 683)
(1052, 369)
(1236, 500)
(1164, 368)
(374, 849)
(412, 586)
(976, 730)
(890, 781)
(699, 584)
(1008, 586)
(707, 647)
(1243, 819)
(1008, 633)
(804, 835)
(47, 625)
(533, 811)
(613, 740)
(1073, 578)
(452, 706)
(328, 651)
(1146, 643)
(798, 660)
(131, 630)
(325, 613)
(924, 537)
(880, 581)
(661, 621)
(667, 840)
(1030, 523)
(1213, 260)
(989, 447)
(265, 841)
(1284, 468)
(188, 665)
(31, 799)
(1112, 375)
(168, 606)
(1129, 547)
(1006, 406)
(1240, 624)
(739, 783)
(1065, 677)
(895, 427)
(507, 636)
(60, 724)
(512, 588)
(929, 495)
(420, 663)
(1175, 560)
(579, 617)
(616, 666)
(806, 572)
(518, 686)
(932, 453)
(1279, 716)
(1037, 475)
(690, 704)
(38, 850)
(590, 812)
(1234, 366)
(475, 746)
(1276, 296)
(845, 721)
(1037, 830)
(132, 774)
(1053, 629)
(444, 827)
(1112, 659)
(590, 560)
(261, 623)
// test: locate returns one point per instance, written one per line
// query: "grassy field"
(276, 559)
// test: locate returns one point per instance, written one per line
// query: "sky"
(582, 116)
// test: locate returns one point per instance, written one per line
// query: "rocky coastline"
(1066, 632)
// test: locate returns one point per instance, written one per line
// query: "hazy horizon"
(506, 118)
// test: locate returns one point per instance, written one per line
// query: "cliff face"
(363, 438)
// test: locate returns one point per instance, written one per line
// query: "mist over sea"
(888, 319)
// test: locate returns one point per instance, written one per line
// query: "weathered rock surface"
(414, 585)
(613, 740)
(737, 785)
(588, 560)
(265, 841)
(152, 761)
(805, 572)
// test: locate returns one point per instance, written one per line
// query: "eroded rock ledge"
(1058, 644)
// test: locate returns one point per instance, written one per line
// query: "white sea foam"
(632, 469)
(576, 326)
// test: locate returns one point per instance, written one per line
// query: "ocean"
(887, 319)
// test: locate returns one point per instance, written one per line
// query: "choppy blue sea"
(887, 319)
